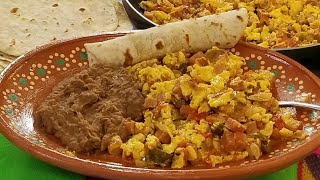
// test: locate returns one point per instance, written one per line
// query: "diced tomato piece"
(275, 134)
(179, 13)
(150, 103)
(228, 141)
(194, 82)
(264, 17)
(212, 118)
(248, 76)
(213, 55)
(207, 135)
(193, 58)
(159, 107)
(241, 141)
(279, 123)
(163, 137)
(202, 61)
(252, 127)
(260, 124)
(237, 84)
(199, 116)
(183, 144)
(149, 15)
(188, 112)
(161, 97)
(130, 126)
(291, 42)
(219, 68)
(177, 89)
(234, 125)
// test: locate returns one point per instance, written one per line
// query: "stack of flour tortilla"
(29, 23)
(5, 60)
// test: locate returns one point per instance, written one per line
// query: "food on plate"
(202, 108)
(223, 30)
(85, 111)
(272, 23)
(30, 24)
(183, 109)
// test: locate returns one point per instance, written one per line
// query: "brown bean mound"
(87, 109)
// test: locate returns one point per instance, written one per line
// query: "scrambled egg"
(212, 113)
(274, 24)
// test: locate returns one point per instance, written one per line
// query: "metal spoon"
(299, 104)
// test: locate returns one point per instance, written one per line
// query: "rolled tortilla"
(222, 30)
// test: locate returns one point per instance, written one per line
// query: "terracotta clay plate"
(27, 82)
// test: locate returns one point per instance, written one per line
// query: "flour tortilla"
(223, 30)
(7, 58)
(124, 23)
(29, 23)
(4, 63)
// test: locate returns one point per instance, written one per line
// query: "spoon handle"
(299, 104)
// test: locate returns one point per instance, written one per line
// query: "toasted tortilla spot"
(225, 35)
(214, 24)
(228, 43)
(14, 10)
(217, 44)
(128, 58)
(159, 45)
(240, 18)
(82, 9)
(12, 42)
(187, 39)
(55, 5)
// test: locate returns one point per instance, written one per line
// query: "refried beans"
(87, 109)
